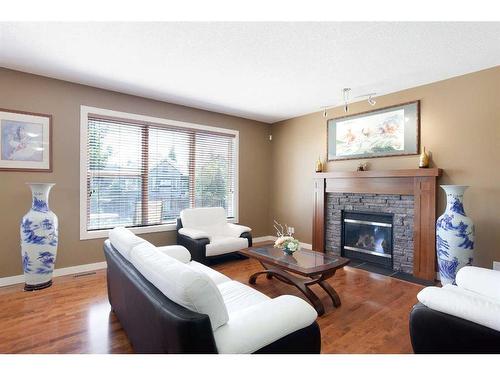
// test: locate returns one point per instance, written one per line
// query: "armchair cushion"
(175, 251)
(272, 319)
(194, 234)
(182, 284)
(223, 245)
(198, 218)
(480, 280)
(463, 303)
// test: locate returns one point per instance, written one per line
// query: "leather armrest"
(434, 332)
(263, 323)
(248, 236)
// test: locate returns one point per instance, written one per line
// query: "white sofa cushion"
(195, 234)
(176, 251)
(217, 277)
(480, 280)
(238, 296)
(260, 324)
(223, 245)
(182, 284)
(124, 241)
(199, 218)
(462, 303)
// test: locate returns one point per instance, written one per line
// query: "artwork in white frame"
(25, 141)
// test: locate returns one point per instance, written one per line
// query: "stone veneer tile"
(402, 206)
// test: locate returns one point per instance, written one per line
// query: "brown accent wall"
(460, 125)
(26, 92)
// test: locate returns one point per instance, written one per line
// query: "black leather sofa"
(155, 324)
(434, 332)
(197, 247)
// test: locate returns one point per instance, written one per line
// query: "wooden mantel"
(421, 183)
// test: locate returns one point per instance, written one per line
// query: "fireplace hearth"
(367, 236)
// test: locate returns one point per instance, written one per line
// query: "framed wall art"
(25, 141)
(389, 131)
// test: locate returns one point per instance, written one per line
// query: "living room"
(250, 187)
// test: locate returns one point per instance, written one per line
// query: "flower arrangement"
(285, 240)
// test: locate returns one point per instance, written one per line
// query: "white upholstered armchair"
(206, 233)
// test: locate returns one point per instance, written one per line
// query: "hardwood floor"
(73, 316)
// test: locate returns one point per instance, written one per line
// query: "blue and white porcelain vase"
(454, 235)
(39, 239)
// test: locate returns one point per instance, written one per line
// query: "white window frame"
(85, 111)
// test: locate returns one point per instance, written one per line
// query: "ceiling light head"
(345, 94)
(371, 100)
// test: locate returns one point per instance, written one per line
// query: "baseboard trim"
(263, 239)
(304, 245)
(19, 279)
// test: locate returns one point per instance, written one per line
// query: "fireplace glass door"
(368, 237)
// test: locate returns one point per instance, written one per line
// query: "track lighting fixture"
(346, 97)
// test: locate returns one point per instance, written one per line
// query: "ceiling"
(263, 71)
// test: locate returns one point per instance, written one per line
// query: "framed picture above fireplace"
(390, 131)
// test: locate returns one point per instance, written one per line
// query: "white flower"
(279, 241)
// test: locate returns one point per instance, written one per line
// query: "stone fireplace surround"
(401, 206)
(421, 184)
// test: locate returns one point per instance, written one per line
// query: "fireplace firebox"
(367, 236)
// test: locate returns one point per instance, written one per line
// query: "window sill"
(95, 234)
(89, 235)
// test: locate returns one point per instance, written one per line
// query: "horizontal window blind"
(142, 174)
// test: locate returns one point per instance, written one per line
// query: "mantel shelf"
(422, 172)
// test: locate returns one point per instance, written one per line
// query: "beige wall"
(32, 93)
(460, 125)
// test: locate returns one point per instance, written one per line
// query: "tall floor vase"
(39, 239)
(454, 235)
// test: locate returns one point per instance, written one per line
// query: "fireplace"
(408, 194)
(368, 237)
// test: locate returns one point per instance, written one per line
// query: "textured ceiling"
(263, 71)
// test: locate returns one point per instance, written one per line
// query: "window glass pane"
(114, 201)
(214, 171)
(168, 177)
(114, 147)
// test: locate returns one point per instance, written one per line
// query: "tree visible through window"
(141, 174)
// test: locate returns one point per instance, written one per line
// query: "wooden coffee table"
(314, 267)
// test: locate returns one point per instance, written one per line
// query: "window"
(141, 172)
